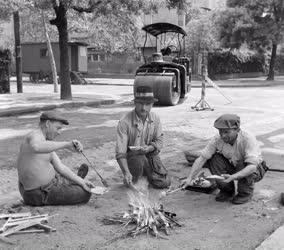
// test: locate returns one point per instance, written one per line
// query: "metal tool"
(174, 190)
(275, 170)
(104, 182)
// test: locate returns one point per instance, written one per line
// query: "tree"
(97, 8)
(259, 23)
(120, 11)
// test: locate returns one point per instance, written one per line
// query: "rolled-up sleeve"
(252, 151)
(121, 140)
(210, 149)
(158, 138)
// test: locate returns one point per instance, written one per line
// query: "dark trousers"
(218, 165)
(150, 166)
(59, 191)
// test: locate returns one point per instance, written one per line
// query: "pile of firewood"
(144, 217)
(20, 223)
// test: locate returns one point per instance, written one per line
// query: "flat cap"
(227, 121)
(53, 116)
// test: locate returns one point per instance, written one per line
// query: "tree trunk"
(51, 56)
(18, 52)
(272, 63)
(64, 75)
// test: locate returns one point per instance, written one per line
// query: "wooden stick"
(31, 217)
(19, 227)
(15, 223)
(46, 228)
(16, 215)
(30, 231)
(3, 228)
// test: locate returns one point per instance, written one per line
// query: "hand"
(77, 145)
(87, 185)
(228, 178)
(186, 182)
(127, 179)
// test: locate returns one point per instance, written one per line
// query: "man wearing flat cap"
(43, 178)
(233, 154)
(139, 141)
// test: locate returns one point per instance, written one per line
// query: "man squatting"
(233, 154)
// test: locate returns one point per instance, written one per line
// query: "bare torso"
(34, 169)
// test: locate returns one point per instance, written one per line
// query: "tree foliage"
(201, 31)
(259, 23)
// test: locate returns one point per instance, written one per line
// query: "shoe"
(223, 196)
(83, 170)
(241, 199)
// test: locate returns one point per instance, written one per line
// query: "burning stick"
(146, 217)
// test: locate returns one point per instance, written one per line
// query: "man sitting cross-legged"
(43, 178)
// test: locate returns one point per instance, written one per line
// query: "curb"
(199, 85)
(25, 110)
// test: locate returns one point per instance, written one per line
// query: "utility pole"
(50, 55)
(18, 51)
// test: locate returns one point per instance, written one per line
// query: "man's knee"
(218, 164)
(136, 165)
(86, 197)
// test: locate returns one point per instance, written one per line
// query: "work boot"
(241, 198)
(83, 170)
(223, 196)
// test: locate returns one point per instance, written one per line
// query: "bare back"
(34, 169)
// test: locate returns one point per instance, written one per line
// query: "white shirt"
(245, 149)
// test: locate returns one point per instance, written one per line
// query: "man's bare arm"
(42, 146)
(67, 173)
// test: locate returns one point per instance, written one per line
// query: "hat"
(53, 116)
(144, 94)
(227, 121)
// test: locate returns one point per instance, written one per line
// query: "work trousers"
(59, 191)
(151, 166)
(219, 165)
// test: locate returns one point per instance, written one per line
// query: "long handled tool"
(275, 170)
(104, 182)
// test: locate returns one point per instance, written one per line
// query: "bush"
(234, 61)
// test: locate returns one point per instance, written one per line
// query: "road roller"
(169, 76)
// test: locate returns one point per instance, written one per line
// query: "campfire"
(144, 216)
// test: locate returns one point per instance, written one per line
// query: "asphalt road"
(260, 109)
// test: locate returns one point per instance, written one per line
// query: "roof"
(156, 29)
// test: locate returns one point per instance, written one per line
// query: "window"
(95, 57)
(43, 53)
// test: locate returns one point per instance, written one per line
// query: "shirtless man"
(43, 178)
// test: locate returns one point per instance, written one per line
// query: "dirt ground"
(207, 224)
